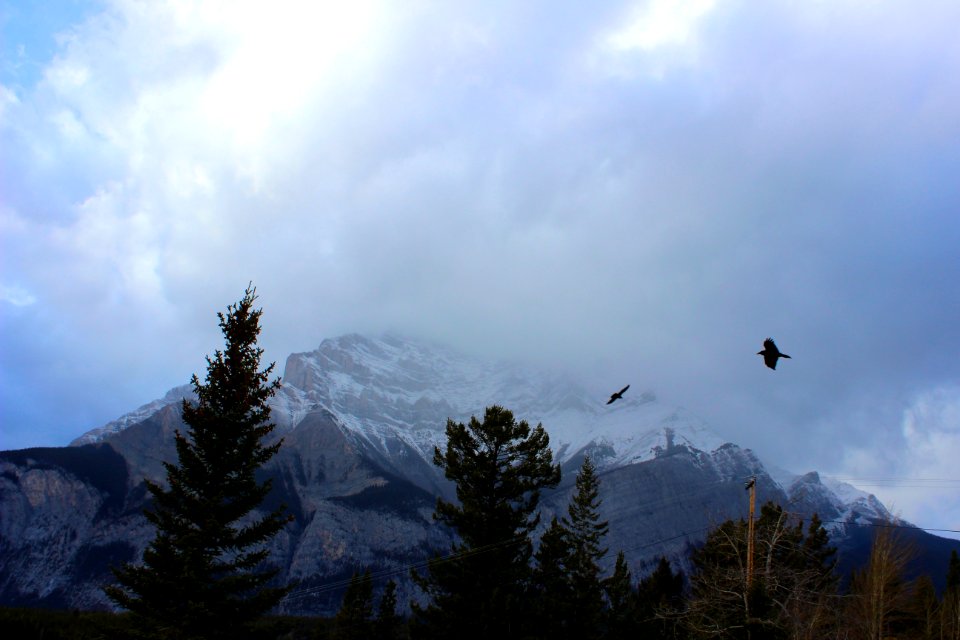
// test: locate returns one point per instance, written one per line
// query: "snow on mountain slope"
(838, 504)
(857, 506)
(392, 387)
(140, 414)
(387, 389)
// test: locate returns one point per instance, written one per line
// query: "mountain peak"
(403, 388)
(392, 389)
(173, 396)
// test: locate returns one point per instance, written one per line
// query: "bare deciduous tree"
(792, 593)
(879, 592)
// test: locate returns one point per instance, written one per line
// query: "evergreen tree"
(552, 592)
(950, 608)
(659, 601)
(354, 619)
(585, 532)
(499, 467)
(953, 572)
(203, 576)
(817, 551)
(388, 625)
(922, 611)
(568, 589)
(621, 611)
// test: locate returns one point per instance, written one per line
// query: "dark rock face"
(666, 506)
(71, 513)
(60, 510)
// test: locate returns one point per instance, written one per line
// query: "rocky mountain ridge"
(360, 418)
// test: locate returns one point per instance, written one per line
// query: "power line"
(886, 525)
(886, 478)
(895, 482)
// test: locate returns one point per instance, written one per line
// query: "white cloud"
(17, 296)
(452, 170)
(660, 22)
(917, 474)
(7, 99)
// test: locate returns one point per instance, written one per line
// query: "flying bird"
(770, 353)
(616, 396)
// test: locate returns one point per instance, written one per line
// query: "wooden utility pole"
(752, 488)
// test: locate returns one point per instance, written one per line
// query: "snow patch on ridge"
(174, 396)
(388, 389)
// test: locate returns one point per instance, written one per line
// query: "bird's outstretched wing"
(616, 396)
(769, 344)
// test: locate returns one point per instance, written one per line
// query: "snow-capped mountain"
(138, 415)
(360, 418)
(387, 388)
(840, 505)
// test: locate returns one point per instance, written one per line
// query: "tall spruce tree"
(354, 620)
(950, 609)
(953, 572)
(621, 604)
(203, 575)
(552, 589)
(569, 593)
(585, 532)
(659, 602)
(499, 467)
(388, 625)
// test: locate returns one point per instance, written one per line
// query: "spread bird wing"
(770, 344)
(616, 396)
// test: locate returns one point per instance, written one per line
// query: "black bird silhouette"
(770, 353)
(617, 395)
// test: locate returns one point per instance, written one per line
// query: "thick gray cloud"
(640, 193)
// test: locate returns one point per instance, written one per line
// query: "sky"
(633, 192)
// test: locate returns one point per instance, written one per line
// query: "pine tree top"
(202, 575)
(583, 513)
